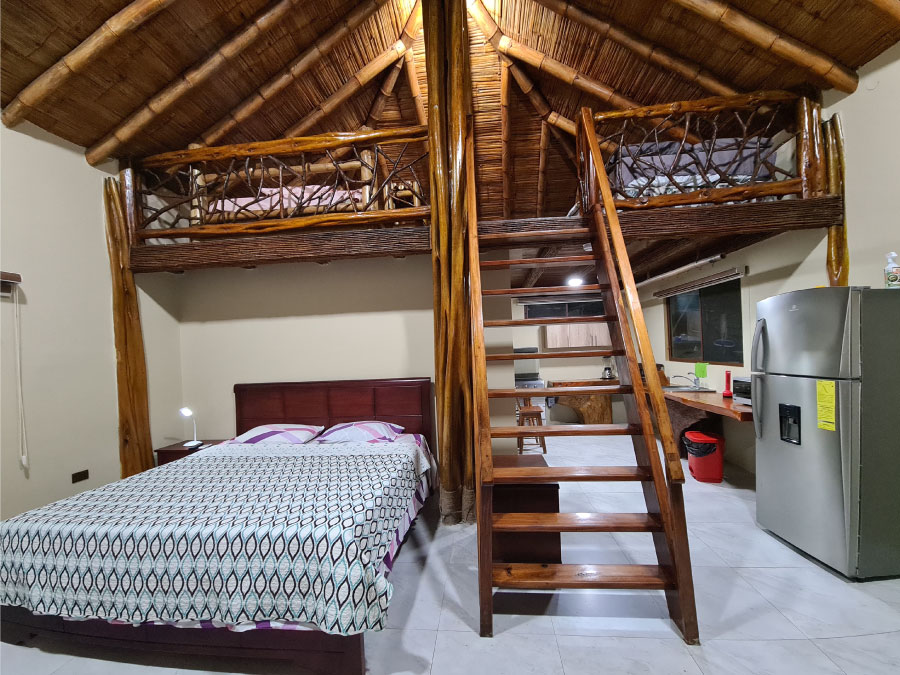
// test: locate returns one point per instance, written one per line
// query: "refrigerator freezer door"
(813, 333)
(803, 472)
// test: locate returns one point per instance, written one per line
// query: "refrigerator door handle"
(754, 347)
(756, 398)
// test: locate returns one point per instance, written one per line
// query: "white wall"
(796, 260)
(345, 320)
(57, 243)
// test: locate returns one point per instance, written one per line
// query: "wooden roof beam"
(293, 71)
(413, 81)
(227, 52)
(658, 56)
(365, 75)
(889, 7)
(125, 21)
(765, 37)
(546, 64)
(376, 110)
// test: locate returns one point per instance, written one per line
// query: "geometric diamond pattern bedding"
(232, 534)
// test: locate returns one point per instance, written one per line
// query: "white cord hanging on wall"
(20, 399)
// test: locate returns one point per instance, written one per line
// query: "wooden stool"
(528, 415)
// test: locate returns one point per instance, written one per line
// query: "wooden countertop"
(712, 402)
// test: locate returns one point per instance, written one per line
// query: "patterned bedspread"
(231, 535)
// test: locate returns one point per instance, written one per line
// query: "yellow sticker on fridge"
(825, 404)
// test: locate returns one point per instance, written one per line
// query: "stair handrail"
(590, 146)
(481, 416)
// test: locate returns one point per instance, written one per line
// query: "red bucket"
(706, 454)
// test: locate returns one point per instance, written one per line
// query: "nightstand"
(176, 451)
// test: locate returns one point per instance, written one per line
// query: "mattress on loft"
(242, 536)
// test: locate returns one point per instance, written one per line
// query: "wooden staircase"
(661, 477)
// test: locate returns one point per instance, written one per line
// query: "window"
(705, 325)
(563, 309)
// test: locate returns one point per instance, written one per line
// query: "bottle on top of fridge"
(892, 271)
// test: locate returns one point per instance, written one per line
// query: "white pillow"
(278, 433)
(370, 431)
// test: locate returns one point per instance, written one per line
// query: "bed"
(276, 550)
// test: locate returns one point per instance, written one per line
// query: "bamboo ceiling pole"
(293, 71)
(565, 73)
(765, 37)
(227, 52)
(365, 75)
(659, 56)
(889, 7)
(505, 159)
(135, 447)
(376, 110)
(125, 21)
(543, 149)
(413, 81)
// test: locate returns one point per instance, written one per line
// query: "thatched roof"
(136, 77)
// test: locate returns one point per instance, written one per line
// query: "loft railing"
(600, 207)
(360, 179)
(749, 147)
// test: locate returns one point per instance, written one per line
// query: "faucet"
(693, 379)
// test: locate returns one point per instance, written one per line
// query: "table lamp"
(187, 412)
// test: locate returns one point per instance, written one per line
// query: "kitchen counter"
(712, 402)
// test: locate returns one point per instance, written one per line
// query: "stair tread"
(588, 353)
(556, 474)
(551, 321)
(586, 289)
(576, 522)
(560, 391)
(566, 430)
(554, 261)
(538, 576)
(511, 239)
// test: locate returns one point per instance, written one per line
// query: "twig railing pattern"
(367, 178)
(746, 147)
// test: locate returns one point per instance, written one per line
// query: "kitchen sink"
(699, 390)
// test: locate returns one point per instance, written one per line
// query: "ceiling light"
(574, 281)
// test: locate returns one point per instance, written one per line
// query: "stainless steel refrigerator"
(826, 409)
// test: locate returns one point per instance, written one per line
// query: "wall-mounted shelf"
(7, 281)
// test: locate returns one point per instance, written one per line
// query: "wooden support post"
(135, 446)
(505, 150)
(838, 260)
(544, 149)
(810, 149)
(449, 105)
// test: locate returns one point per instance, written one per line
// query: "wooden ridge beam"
(292, 72)
(227, 52)
(125, 21)
(365, 75)
(889, 7)
(514, 49)
(643, 49)
(771, 40)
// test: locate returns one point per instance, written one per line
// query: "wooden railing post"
(810, 149)
(838, 257)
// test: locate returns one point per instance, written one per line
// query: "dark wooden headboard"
(404, 401)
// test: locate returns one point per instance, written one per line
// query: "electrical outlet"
(79, 476)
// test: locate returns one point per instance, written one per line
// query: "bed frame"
(404, 401)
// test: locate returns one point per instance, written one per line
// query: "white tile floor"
(764, 609)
